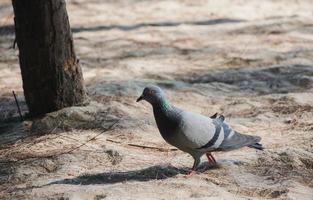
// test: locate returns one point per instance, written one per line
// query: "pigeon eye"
(151, 92)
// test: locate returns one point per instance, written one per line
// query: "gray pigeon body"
(194, 133)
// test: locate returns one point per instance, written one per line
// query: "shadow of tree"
(9, 29)
(269, 80)
(151, 173)
(10, 123)
(157, 24)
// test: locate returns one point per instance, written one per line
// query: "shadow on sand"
(269, 80)
(157, 24)
(151, 173)
(9, 29)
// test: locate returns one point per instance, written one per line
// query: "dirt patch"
(290, 163)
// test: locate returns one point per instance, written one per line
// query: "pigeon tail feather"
(239, 140)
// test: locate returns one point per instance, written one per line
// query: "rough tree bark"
(52, 77)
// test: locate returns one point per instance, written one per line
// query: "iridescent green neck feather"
(166, 104)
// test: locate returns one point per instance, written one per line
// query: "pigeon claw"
(190, 174)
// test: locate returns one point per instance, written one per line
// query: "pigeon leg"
(194, 167)
(211, 159)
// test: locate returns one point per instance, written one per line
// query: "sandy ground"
(251, 61)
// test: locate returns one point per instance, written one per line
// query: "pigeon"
(194, 133)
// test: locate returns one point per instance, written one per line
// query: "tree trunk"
(52, 77)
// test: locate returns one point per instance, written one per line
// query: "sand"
(248, 60)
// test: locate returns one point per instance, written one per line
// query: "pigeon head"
(152, 94)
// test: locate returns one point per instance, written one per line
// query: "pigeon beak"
(139, 99)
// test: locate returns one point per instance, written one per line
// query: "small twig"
(54, 154)
(18, 106)
(64, 136)
(113, 141)
(93, 138)
(150, 147)
(143, 146)
(14, 44)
